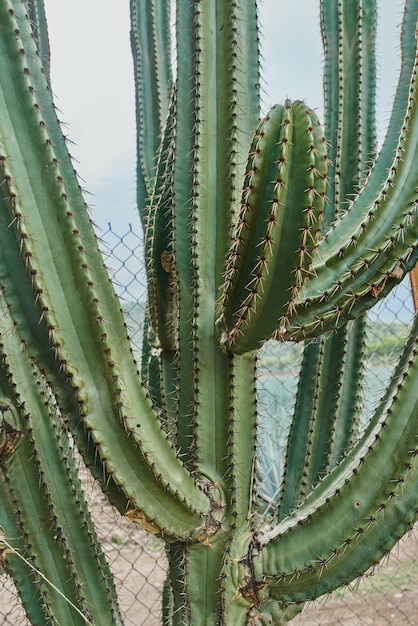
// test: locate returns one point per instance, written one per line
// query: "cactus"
(241, 246)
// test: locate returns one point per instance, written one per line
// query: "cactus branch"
(385, 451)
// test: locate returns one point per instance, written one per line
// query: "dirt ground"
(389, 596)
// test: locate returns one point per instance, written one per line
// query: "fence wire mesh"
(385, 596)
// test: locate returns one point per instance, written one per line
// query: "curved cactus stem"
(42, 493)
(75, 298)
(327, 405)
(347, 401)
(10, 554)
(277, 227)
(295, 480)
(337, 406)
(13, 564)
(374, 244)
(327, 409)
(350, 520)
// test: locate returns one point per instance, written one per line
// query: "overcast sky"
(93, 84)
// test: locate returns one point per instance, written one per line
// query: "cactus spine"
(241, 246)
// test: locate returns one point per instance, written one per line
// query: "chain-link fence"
(385, 596)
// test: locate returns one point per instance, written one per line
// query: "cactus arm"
(194, 153)
(241, 450)
(348, 35)
(387, 201)
(11, 555)
(365, 516)
(182, 191)
(22, 574)
(325, 420)
(337, 406)
(54, 234)
(211, 383)
(348, 398)
(54, 518)
(278, 225)
(242, 438)
(151, 51)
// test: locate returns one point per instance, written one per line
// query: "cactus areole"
(281, 228)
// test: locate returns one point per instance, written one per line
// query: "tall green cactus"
(241, 246)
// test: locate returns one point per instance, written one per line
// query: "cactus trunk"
(254, 230)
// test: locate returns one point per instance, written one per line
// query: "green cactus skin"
(86, 290)
(54, 532)
(282, 209)
(379, 519)
(174, 446)
(325, 420)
